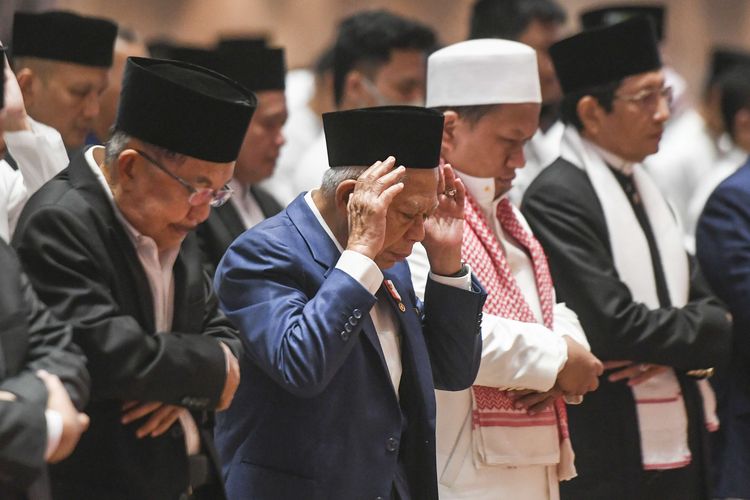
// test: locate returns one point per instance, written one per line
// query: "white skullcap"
(486, 71)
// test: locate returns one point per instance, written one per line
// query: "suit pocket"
(248, 481)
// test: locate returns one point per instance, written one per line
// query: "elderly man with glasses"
(616, 256)
(107, 245)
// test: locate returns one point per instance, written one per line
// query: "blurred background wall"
(305, 27)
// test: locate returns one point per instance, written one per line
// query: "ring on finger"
(450, 192)
(643, 367)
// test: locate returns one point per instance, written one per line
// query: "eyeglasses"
(198, 196)
(649, 98)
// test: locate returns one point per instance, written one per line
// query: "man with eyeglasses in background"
(616, 257)
(108, 247)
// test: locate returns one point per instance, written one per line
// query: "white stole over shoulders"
(662, 418)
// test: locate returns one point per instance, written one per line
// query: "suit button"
(379, 498)
(348, 328)
(352, 321)
(357, 313)
(391, 444)
(344, 336)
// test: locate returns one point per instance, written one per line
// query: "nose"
(662, 110)
(517, 158)
(91, 107)
(416, 230)
(280, 139)
(199, 213)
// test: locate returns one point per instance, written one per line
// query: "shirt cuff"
(463, 282)
(361, 268)
(54, 431)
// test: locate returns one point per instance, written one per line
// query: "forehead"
(514, 121)
(405, 63)
(540, 34)
(270, 100)
(651, 79)
(70, 73)
(420, 189)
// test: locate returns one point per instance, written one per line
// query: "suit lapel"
(267, 203)
(82, 178)
(231, 220)
(187, 279)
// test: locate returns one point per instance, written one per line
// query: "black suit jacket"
(84, 266)
(30, 339)
(224, 225)
(566, 216)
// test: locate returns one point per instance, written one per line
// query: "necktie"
(662, 291)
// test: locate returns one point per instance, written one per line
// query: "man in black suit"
(38, 420)
(107, 245)
(617, 260)
(262, 70)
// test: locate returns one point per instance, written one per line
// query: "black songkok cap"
(255, 66)
(194, 55)
(724, 59)
(613, 14)
(243, 43)
(605, 55)
(2, 80)
(64, 36)
(360, 137)
(184, 108)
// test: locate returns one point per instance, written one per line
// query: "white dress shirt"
(515, 355)
(246, 205)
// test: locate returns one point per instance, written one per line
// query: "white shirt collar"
(482, 189)
(613, 160)
(321, 220)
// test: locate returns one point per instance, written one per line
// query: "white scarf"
(662, 419)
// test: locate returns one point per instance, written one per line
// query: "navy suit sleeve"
(452, 326)
(723, 249)
(294, 331)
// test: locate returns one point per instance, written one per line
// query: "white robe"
(514, 355)
(40, 155)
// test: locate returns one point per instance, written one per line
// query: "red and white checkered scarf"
(491, 406)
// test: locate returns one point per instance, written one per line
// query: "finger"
(389, 194)
(83, 421)
(530, 400)
(391, 178)
(609, 365)
(628, 372)
(166, 423)
(378, 168)
(153, 421)
(644, 376)
(140, 411)
(449, 177)
(441, 179)
(514, 395)
(541, 406)
(129, 404)
(460, 191)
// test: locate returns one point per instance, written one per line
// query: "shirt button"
(357, 313)
(344, 336)
(391, 444)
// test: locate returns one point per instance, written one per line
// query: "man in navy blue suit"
(341, 359)
(723, 249)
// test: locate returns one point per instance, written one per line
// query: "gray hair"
(119, 142)
(335, 176)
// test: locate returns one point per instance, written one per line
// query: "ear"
(26, 79)
(590, 113)
(125, 169)
(343, 191)
(354, 94)
(450, 122)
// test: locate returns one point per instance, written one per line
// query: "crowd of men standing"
(514, 267)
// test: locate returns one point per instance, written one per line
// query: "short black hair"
(509, 18)
(369, 37)
(324, 62)
(734, 86)
(604, 94)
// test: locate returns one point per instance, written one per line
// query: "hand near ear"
(368, 205)
(444, 229)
